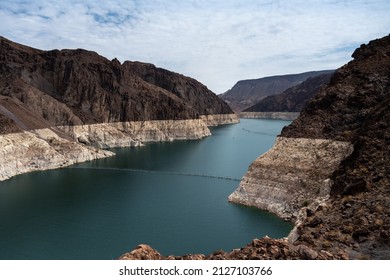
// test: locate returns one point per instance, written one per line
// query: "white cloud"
(216, 42)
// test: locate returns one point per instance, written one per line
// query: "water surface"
(101, 209)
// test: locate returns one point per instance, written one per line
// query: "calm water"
(99, 210)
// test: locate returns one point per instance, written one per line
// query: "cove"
(104, 208)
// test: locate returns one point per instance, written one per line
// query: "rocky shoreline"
(41, 149)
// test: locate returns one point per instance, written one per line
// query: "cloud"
(217, 42)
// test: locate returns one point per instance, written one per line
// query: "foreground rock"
(259, 249)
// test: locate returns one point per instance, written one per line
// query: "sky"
(217, 42)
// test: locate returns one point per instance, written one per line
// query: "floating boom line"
(158, 172)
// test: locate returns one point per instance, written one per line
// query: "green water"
(101, 209)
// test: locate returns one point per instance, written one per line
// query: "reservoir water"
(104, 208)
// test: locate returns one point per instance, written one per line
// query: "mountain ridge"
(246, 93)
(292, 99)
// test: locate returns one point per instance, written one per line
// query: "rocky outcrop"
(220, 119)
(41, 149)
(287, 116)
(292, 99)
(247, 93)
(259, 249)
(294, 173)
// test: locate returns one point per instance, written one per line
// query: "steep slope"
(293, 99)
(186, 88)
(246, 93)
(97, 90)
(80, 97)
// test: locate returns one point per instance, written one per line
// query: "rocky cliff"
(82, 99)
(329, 171)
(82, 87)
(247, 93)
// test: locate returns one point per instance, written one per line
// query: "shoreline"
(44, 149)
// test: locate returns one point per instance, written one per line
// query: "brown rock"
(142, 252)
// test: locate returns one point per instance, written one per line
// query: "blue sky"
(216, 42)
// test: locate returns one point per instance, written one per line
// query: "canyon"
(328, 171)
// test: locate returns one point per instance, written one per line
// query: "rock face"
(82, 99)
(73, 87)
(247, 93)
(292, 99)
(187, 89)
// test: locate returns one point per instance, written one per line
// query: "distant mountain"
(247, 93)
(292, 99)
